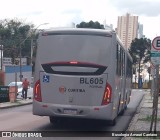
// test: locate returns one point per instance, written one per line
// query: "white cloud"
(62, 12)
(151, 26)
(139, 7)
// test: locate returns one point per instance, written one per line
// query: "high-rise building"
(140, 31)
(106, 26)
(127, 29)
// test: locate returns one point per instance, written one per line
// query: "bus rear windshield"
(82, 48)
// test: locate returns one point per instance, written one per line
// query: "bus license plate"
(70, 111)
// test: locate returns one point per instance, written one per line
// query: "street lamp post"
(20, 62)
(31, 35)
(1, 47)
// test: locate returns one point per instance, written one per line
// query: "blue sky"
(64, 12)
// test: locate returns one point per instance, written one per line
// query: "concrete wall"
(13, 72)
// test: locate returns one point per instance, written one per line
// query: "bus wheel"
(118, 105)
(126, 103)
(122, 112)
(53, 120)
(113, 122)
(125, 106)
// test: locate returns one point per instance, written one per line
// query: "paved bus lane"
(21, 119)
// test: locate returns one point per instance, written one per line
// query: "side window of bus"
(129, 68)
(130, 72)
(121, 53)
(117, 59)
(118, 70)
(123, 63)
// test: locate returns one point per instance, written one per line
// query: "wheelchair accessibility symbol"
(45, 78)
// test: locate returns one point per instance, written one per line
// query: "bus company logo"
(6, 134)
(62, 89)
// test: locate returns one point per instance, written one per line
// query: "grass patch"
(148, 118)
(18, 102)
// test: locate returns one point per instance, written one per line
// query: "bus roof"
(83, 31)
(78, 31)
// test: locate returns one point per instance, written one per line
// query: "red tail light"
(107, 95)
(37, 91)
(73, 62)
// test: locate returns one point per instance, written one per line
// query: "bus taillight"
(37, 91)
(73, 62)
(107, 95)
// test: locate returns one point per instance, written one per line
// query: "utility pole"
(20, 63)
(1, 57)
(155, 99)
(31, 35)
(1, 48)
(32, 38)
(155, 59)
(31, 48)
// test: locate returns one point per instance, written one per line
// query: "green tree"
(12, 33)
(90, 24)
(140, 51)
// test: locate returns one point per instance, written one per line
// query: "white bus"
(81, 73)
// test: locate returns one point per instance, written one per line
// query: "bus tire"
(113, 122)
(53, 120)
(122, 112)
(126, 103)
(118, 106)
(125, 107)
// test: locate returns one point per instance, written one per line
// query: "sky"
(61, 13)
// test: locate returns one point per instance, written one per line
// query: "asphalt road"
(21, 119)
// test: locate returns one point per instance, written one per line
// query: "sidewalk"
(142, 118)
(18, 102)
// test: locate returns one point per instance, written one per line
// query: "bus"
(81, 73)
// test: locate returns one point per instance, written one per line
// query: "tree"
(12, 34)
(140, 51)
(90, 24)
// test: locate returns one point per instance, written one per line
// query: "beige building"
(127, 28)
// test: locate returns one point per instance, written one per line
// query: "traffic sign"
(155, 51)
(155, 54)
(155, 60)
(156, 44)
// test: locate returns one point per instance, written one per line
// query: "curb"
(14, 105)
(136, 115)
(134, 119)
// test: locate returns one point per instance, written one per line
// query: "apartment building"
(127, 28)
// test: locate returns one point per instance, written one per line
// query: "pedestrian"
(25, 85)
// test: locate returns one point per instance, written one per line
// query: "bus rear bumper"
(73, 111)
